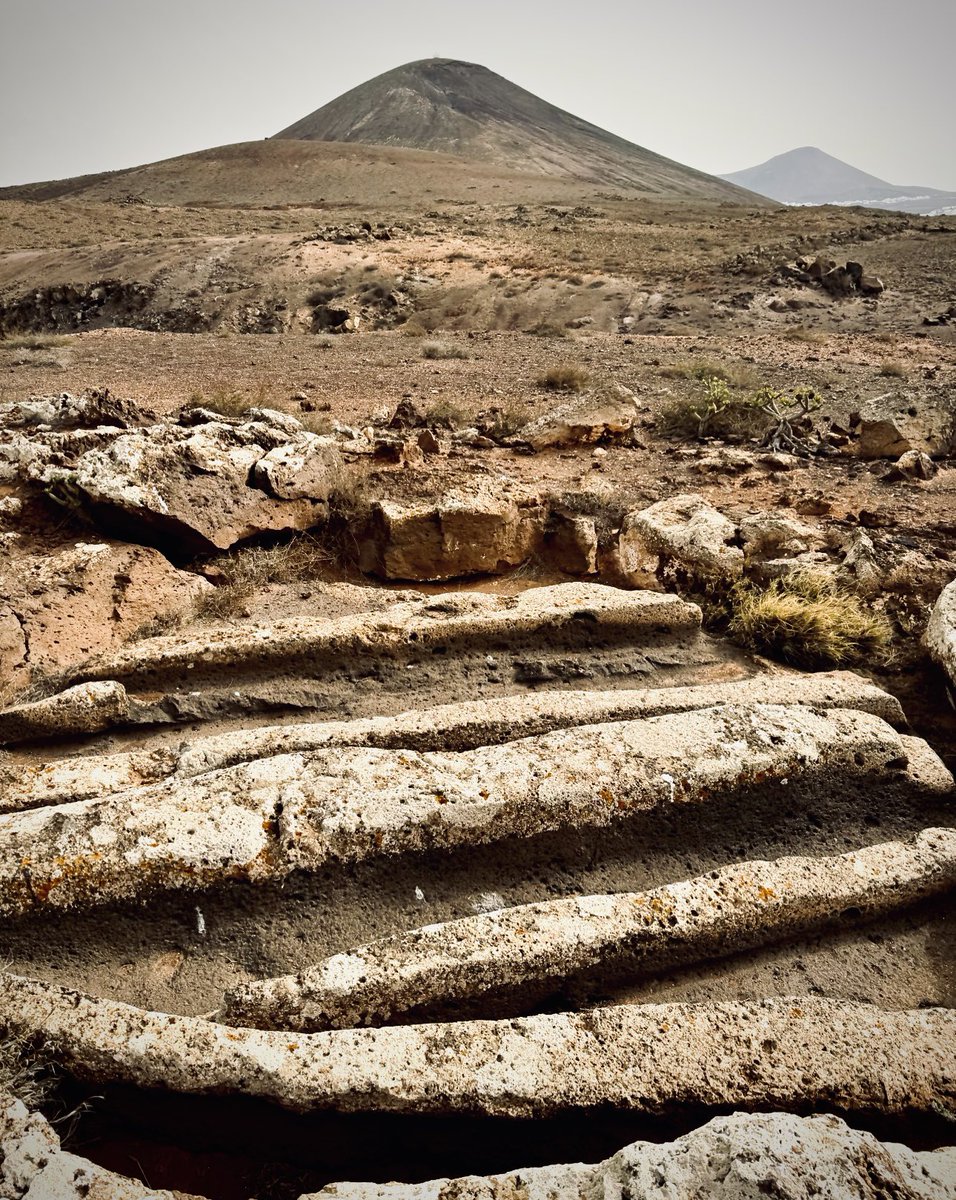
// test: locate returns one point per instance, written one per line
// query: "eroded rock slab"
(458, 621)
(746, 1156)
(522, 953)
(306, 810)
(462, 726)
(654, 1058)
(207, 485)
(610, 412)
(684, 530)
(483, 531)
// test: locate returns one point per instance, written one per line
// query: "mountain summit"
(459, 108)
(811, 176)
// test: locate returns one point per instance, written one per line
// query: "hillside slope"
(811, 176)
(463, 109)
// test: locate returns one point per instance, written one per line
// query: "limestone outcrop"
(684, 530)
(204, 483)
(486, 530)
(653, 1058)
(746, 1156)
(607, 413)
(526, 952)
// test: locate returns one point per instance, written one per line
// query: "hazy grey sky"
(91, 85)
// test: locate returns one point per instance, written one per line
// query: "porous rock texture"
(892, 424)
(460, 726)
(266, 818)
(486, 530)
(459, 620)
(207, 485)
(684, 530)
(608, 412)
(33, 1166)
(745, 1156)
(57, 610)
(940, 636)
(524, 952)
(654, 1058)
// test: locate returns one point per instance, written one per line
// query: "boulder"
(940, 636)
(486, 530)
(609, 412)
(62, 608)
(205, 486)
(913, 465)
(770, 535)
(744, 1156)
(892, 425)
(684, 530)
(65, 411)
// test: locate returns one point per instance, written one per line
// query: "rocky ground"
(470, 707)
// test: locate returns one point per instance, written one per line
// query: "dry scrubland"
(283, 691)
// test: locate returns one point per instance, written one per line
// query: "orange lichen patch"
(606, 795)
(766, 893)
(441, 798)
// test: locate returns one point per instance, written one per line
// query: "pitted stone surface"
(685, 530)
(746, 1156)
(940, 637)
(84, 708)
(33, 1166)
(519, 951)
(654, 1058)
(183, 836)
(459, 618)
(462, 726)
(302, 811)
(349, 805)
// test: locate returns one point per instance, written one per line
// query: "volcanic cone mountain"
(810, 176)
(462, 109)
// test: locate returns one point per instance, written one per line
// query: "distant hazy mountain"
(809, 176)
(463, 109)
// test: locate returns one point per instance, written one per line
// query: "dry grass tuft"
(734, 375)
(250, 570)
(225, 401)
(565, 378)
(812, 337)
(806, 619)
(443, 350)
(33, 341)
(892, 369)
(23, 1074)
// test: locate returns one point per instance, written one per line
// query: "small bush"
(565, 378)
(443, 350)
(806, 619)
(225, 401)
(446, 414)
(248, 571)
(32, 341)
(812, 337)
(734, 376)
(893, 370)
(716, 413)
(23, 1074)
(413, 328)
